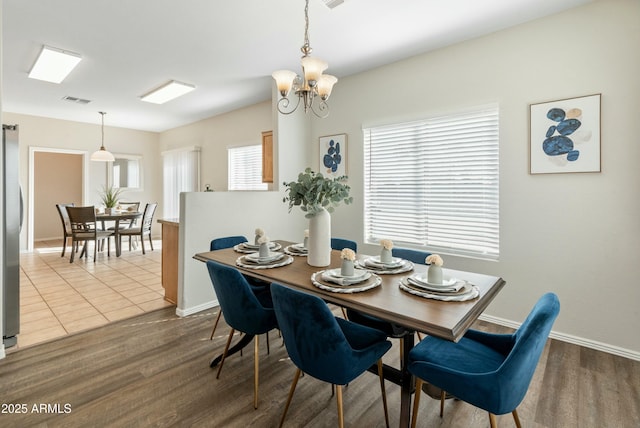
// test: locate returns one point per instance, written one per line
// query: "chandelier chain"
(306, 47)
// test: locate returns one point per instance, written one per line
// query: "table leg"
(116, 236)
(407, 382)
(244, 341)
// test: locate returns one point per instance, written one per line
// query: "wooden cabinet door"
(267, 157)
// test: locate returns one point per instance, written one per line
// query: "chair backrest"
(64, 217)
(518, 368)
(147, 217)
(82, 220)
(313, 338)
(129, 206)
(415, 256)
(341, 243)
(240, 307)
(226, 242)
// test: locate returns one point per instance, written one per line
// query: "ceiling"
(227, 49)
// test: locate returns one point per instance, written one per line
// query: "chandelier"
(311, 86)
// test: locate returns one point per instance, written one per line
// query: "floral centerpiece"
(385, 253)
(348, 257)
(317, 196)
(110, 196)
(434, 274)
(259, 233)
(263, 250)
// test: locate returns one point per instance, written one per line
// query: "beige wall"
(57, 180)
(39, 133)
(577, 235)
(215, 135)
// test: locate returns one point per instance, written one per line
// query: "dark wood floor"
(153, 370)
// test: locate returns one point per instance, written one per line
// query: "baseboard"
(587, 343)
(2, 353)
(195, 309)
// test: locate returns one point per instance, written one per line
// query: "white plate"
(255, 247)
(357, 273)
(394, 263)
(447, 281)
(272, 257)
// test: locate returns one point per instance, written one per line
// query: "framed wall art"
(333, 155)
(564, 135)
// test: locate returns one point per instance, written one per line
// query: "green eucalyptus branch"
(313, 191)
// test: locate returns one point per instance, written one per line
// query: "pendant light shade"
(102, 155)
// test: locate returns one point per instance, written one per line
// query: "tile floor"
(59, 298)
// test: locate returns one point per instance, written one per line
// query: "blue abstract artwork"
(333, 151)
(565, 135)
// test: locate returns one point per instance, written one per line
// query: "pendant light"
(102, 155)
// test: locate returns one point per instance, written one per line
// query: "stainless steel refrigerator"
(12, 197)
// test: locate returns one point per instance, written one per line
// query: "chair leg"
(291, 391)
(516, 418)
(224, 353)
(256, 362)
(401, 351)
(216, 324)
(416, 402)
(492, 420)
(443, 396)
(64, 245)
(142, 242)
(384, 393)
(267, 336)
(340, 407)
(150, 241)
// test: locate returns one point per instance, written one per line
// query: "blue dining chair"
(341, 243)
(330, 349)
(242, 311)
(392, 330)
(489, 371)
(259, 288)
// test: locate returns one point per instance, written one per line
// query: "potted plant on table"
(110, 196)
(317, 196)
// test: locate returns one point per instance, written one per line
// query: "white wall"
(574, 234)
(208, 215)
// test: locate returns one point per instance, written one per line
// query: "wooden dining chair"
(128, 223)
(66, 225)
(83, 229)
(143, 230)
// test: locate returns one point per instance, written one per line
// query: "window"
(181, 173)
(433, 183)
(245, 168)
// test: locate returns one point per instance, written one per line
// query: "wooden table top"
(448, 320)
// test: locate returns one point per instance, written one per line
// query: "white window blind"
(245, 168)
(433, 183)
(180, 173)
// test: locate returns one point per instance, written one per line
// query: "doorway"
(55, 176)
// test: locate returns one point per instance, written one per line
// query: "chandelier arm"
(283, 106)
(320, 109)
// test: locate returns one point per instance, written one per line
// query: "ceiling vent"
(76, 100)
(332, 3)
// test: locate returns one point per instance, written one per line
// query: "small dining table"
(117, 216)
(445, 319)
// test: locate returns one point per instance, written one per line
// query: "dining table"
(386, 300)
(117, 216)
